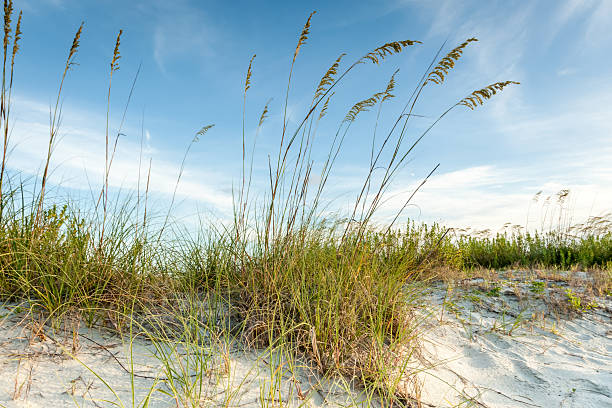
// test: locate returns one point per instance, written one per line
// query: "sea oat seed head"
(247, 83)
(116, 55)
(478, 97)
(75, 46)
(381, 52)
(362, 106)
(328, 78)
(325, 105)
(8, 11)
(264, 114)
(202, 132)
(303, 36)
(17, 37)
(390, 87)
(438, 74)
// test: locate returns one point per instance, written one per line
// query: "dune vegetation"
(341, 295)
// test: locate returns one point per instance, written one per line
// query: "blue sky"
(551, 132)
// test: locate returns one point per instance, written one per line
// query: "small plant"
(495, 291)
(474, 297)
(452, 307)
(537, 287)
(576, 302)
(508, 326)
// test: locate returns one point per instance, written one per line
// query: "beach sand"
(500, 345)
(509, 351)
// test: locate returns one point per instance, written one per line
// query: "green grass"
(341, 295)
(548, 250)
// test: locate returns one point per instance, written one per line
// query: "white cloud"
(569, 10)
(562, 146)
(583, 123)
(597, 16)
(183, 32)
(490, 196)
(598, 29)
(565, 72)
(446, 15)
(79, 158)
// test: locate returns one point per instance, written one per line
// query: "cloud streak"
(491, 196)
(183, 33)
(79, 159)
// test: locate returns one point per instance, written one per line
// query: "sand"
(482, 347)
(505, 352)
(43, 368)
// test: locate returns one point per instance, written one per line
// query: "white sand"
(41, 372)
(487, 354)
(491, 355)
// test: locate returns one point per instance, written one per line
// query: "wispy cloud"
(567, 11)
(549, 133)
(78, 159)
(182, 32)
(596, 16)
(503, 34)
(582, 122)
(562, 146)
(565, 72)
(598, 29)
(491, 196)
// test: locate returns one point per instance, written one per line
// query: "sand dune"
(493, 346)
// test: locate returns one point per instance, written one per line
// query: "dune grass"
(342, 294)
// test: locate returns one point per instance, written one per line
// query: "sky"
(188, 59)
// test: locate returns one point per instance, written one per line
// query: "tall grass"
(55, 252)
(590, 248)
(341, 293)
(331, 290)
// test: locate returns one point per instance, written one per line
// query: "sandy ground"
(497, 349)
(508, 344)
(40, 367)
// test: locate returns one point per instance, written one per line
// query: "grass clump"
(583, 245)
(59, 254)
(56, 261)
(343, 294)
